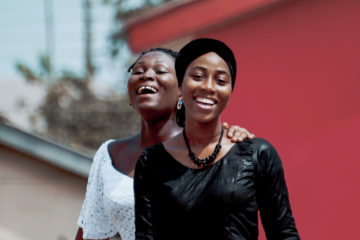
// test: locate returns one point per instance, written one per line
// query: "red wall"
(169, 24)
(298, 86)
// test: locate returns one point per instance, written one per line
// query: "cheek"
(187, 86)
(171, 87)
(184, 91)
(225, 96)
(130, 88)
(131, 81)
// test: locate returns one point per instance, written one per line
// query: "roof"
(50, 152)
(189, 18)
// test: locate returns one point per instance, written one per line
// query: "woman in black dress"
(199, 185)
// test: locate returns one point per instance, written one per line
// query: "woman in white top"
(108, 207)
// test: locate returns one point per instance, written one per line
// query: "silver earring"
(179, 104)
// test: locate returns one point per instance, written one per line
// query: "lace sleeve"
(93, 218)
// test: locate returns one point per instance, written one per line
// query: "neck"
(158, 130)
(202, 133)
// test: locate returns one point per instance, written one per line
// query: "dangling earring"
(179, 104)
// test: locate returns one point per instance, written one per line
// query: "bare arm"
(79, 235)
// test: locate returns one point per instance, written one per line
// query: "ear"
(180, 89)
(179, 92)
(180, 95)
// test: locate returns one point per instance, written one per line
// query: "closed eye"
(197, 77)
(137, 70)
(161, 72)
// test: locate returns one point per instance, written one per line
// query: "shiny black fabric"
(218, 202)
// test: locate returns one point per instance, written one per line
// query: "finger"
(226, 125)
(242, 134)
(232, 131)
(237, 131)
(237, 139)
(246, 134)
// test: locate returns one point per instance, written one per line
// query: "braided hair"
(167, 51)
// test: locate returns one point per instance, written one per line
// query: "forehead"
(156, 57)
(210, 59)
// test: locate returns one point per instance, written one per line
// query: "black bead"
(206, 161)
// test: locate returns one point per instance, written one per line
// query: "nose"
(208, 85)
(148, 75)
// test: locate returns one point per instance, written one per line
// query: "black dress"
(218, 202)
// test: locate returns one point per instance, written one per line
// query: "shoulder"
(117, 146)
(102, 151)
(100, 158)
(148, 161)
(152, 152)
(255, 145)
(266, 156)
(261, 150)
(261, 144)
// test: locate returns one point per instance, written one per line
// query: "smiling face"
(152, 86)
(206, 88)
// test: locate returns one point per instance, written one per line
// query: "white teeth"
(148, 89)
(205, 100)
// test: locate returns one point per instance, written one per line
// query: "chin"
(206, 119)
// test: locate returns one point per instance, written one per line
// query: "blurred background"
(63, 76)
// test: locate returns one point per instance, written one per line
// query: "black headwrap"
(198, 47)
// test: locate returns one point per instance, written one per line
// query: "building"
(42, 187)
(297, 86)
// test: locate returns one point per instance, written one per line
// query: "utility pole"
(88, 40)
(49, 32)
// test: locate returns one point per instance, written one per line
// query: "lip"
(205, 102)
(146, 89)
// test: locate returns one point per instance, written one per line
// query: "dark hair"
(180, 116)
(167, 51)
(195, 49)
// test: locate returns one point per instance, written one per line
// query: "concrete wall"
(37, 201)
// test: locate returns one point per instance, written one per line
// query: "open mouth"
(205, 101)
(146, 90)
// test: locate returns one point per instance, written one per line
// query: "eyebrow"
(205, 69)
(157, 62)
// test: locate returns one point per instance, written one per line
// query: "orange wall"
(298, 86)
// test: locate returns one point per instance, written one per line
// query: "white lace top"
(108, 207)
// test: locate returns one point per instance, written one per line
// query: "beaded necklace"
(204, 162)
